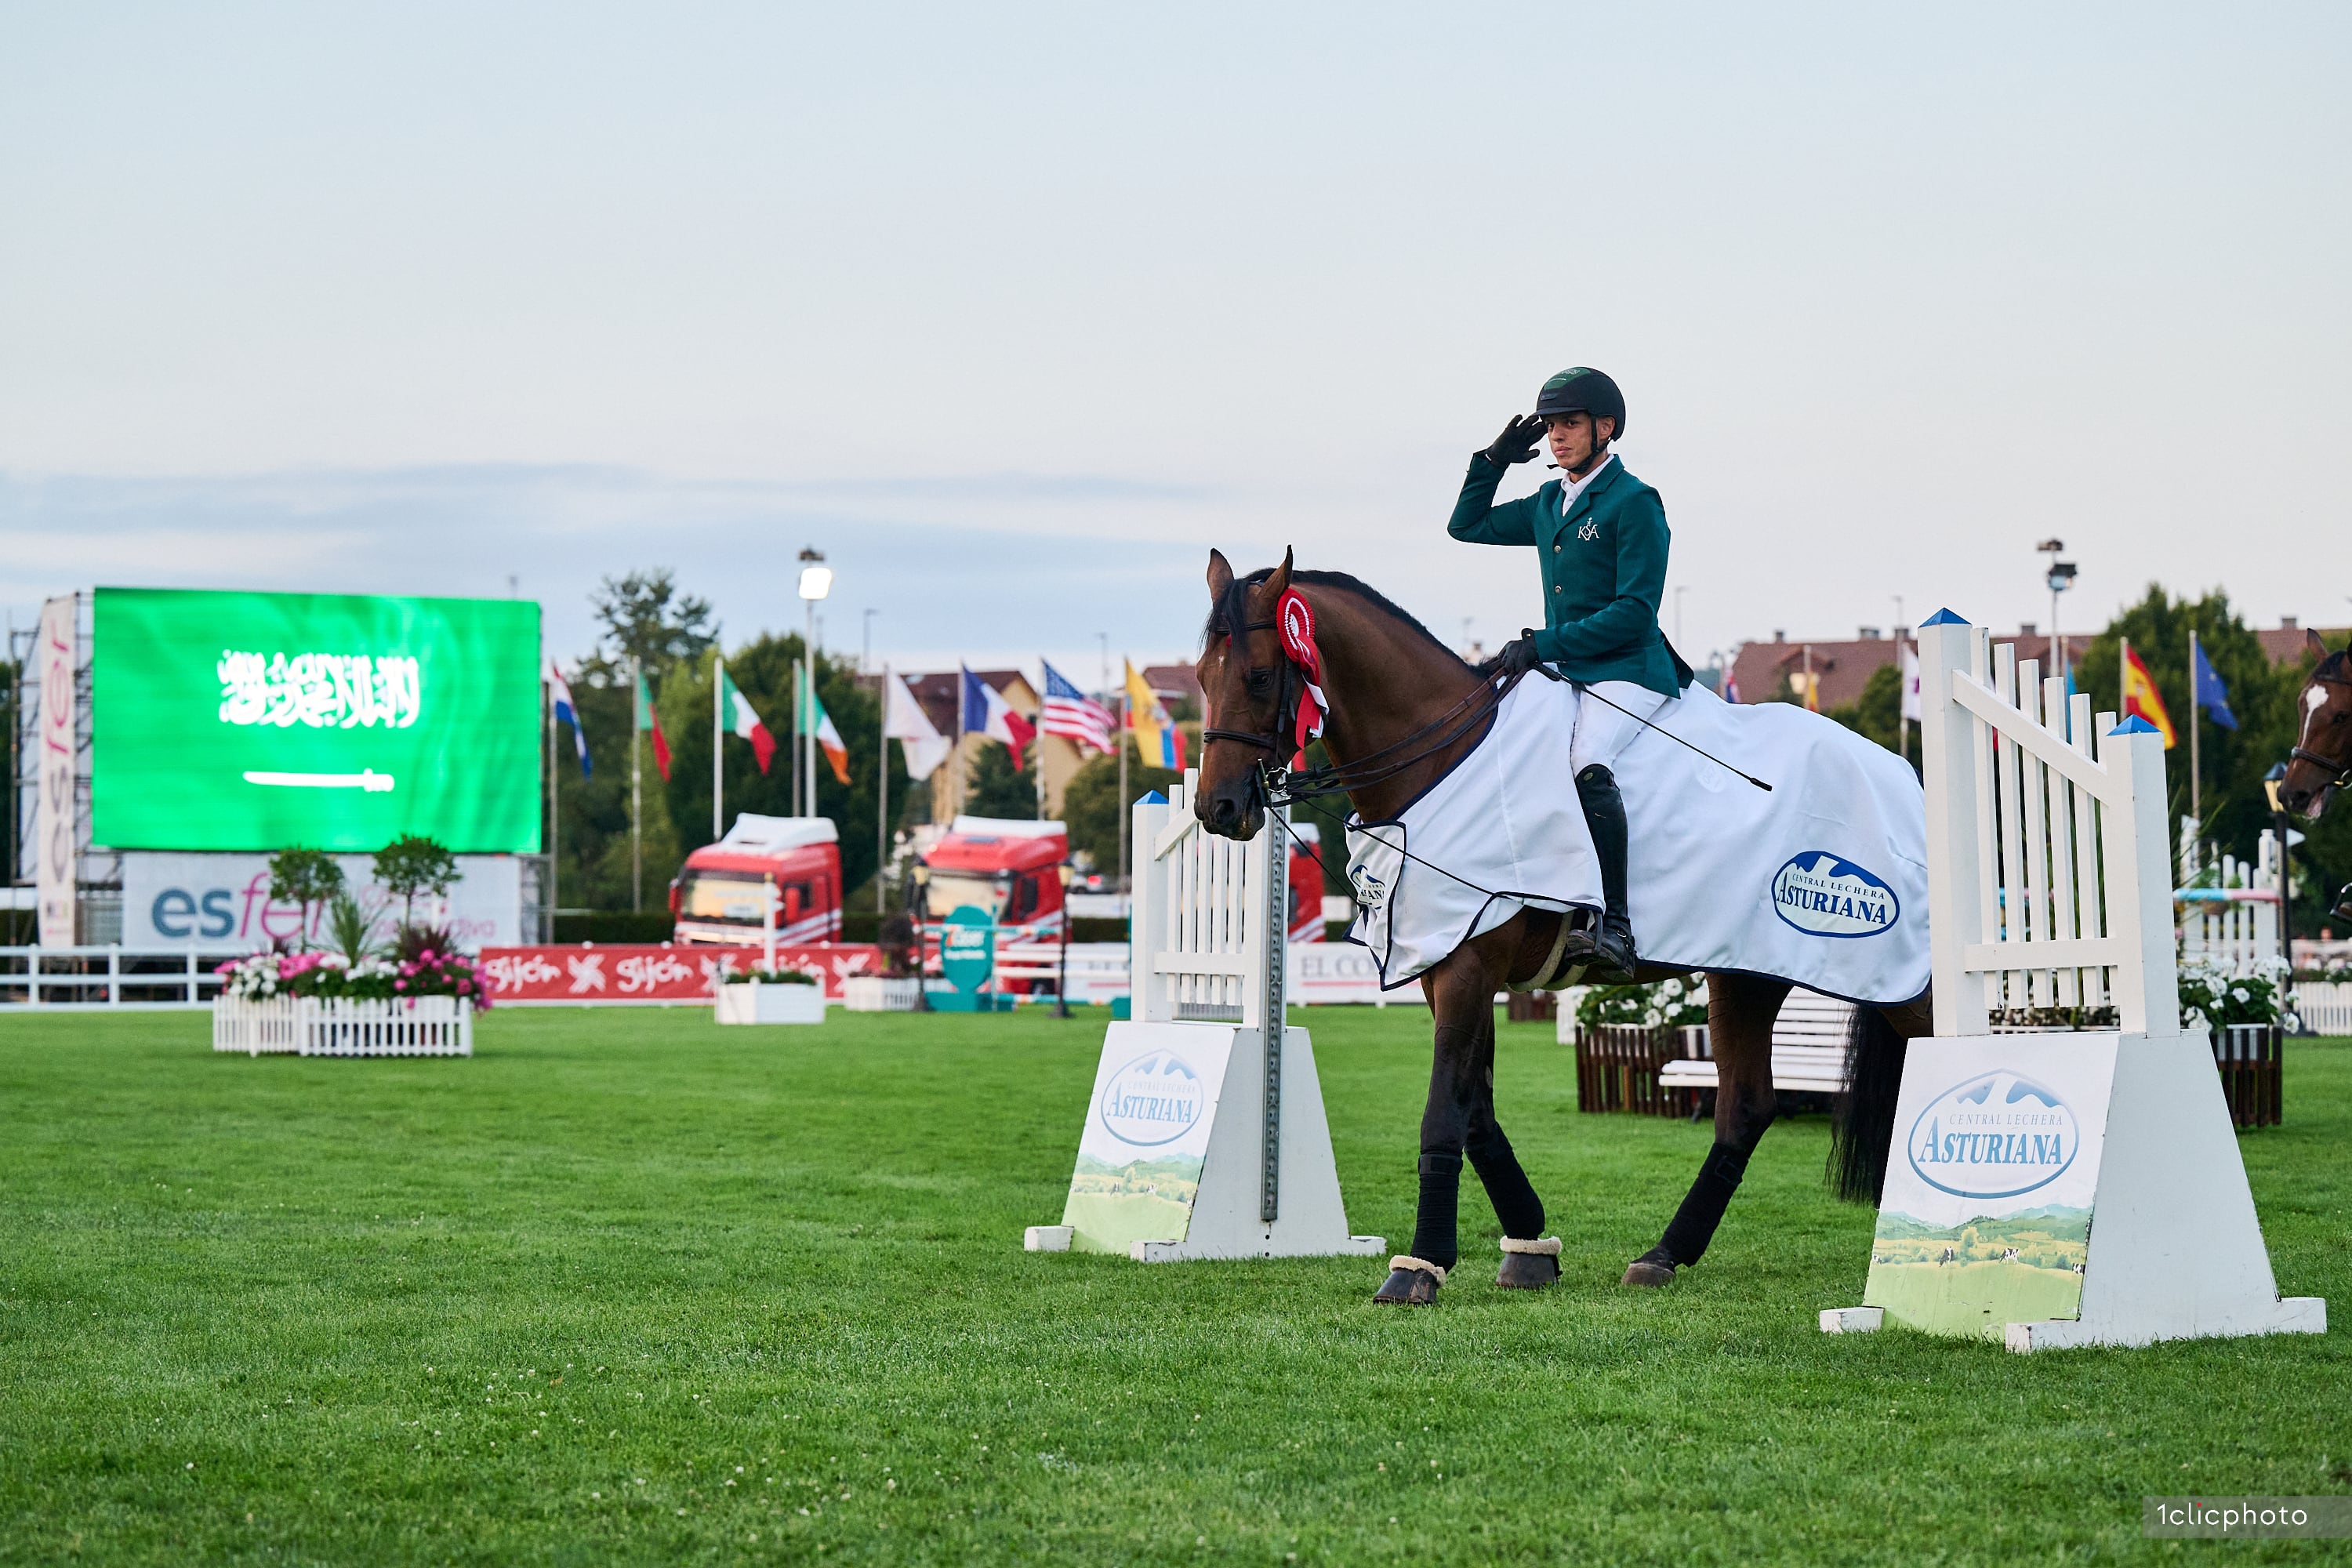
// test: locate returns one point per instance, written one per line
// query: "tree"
(305, 876)
(647, 620)
(1091, 806)
(1877, 711)
(413, 863)
(997, 788)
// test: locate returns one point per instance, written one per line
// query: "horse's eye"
(2338, 717)
(1260, 681)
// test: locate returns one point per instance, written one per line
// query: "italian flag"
(815, 721)
(736, 718)
(649, 723)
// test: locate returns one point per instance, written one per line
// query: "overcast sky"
(1015, 310)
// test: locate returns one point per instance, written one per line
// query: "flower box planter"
(881, 994)
(1617, 1068)
(338, 1026)
(2248, 1055)
(753, 1003)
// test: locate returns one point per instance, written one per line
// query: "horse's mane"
(1226, 612)
(2332, 666)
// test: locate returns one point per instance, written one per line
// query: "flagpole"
(636, 793)
(555, 823)
(1125, 720)
(2195, 779)
(718, 713)
(796, 740)
(882, 786)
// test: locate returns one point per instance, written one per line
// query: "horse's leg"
(1461, 999)
(1531, 1261)
(1740, 1009)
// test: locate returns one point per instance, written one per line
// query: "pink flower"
(400, 986)
(464, 986)
(426, 955)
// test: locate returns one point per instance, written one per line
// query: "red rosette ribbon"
(1295, 620)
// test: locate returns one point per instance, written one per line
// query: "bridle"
(2341, 771)
(1275, 783)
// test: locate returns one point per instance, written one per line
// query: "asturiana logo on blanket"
(1993, 1137)
(1821, 895)
(1155, 1098)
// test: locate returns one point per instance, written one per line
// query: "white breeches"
(1602, 731)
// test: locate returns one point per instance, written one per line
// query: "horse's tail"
(1862, 1124)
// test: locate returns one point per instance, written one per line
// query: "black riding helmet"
(1582, 390)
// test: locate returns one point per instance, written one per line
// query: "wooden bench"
(1808, 1049)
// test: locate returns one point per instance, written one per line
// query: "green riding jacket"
(1604, 571)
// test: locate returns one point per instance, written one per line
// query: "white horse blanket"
(1822, 881)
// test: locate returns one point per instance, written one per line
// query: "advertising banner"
(1147, 1134)
(216, 901)
(1986, 1217)
(56, 653)
(623, 972)
(232, 721)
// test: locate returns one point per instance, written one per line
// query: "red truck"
(1005, 866)
(719, 894)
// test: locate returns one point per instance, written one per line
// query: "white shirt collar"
(1572, 489)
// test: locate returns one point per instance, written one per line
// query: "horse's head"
(2322, 751)
(1248, 693)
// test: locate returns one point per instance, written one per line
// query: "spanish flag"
(2141, 699)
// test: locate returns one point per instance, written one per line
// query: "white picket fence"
(337, 1026)
(2325, 1006)
(2229, 909)
(1200, 901)
(2049, 876)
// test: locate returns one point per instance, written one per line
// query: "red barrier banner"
(619, 972)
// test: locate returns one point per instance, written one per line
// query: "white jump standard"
(1199, 1142)
(2069, 1186)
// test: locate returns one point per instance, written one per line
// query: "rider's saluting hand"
(1600, 540)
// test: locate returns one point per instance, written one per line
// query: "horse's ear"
(1220, 575)
(2313, 644)
(1278, 584)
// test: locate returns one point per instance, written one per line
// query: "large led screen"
(224, 721)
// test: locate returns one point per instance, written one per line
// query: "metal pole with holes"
(1272, 1017)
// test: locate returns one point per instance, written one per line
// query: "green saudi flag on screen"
(232, 721)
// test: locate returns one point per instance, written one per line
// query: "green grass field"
(626, 1287)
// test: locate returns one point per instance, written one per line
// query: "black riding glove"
(1517, 442)
(1516, 658)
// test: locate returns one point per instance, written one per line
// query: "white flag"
(1911, 682)
(904, 720)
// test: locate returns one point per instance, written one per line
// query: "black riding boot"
(1605, 814)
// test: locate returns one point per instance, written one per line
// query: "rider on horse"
(1600, 538)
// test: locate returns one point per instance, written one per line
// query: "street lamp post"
(816, 582)
(1062, 981)
(2062, 577)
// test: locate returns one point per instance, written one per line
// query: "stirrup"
(1614, 958)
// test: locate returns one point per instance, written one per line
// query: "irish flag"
(736, 718)
(815, 721)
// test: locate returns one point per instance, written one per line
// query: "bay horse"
(1401, 709)
(2321, 762)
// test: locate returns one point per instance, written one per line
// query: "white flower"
(2237, 993)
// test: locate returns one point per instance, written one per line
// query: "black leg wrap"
(1694, 1224)
(1508, 1187)
(1433, 1238)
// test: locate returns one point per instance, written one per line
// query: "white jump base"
(751, 1002)
(338, 1026)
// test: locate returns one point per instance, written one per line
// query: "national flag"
(985, 712)
(565, 713)
(1071, 712)
(812, 720)
(2141, 699)
(2206, 689)
(649, 721)
(735, 717)
(1911, 681)
(1157, 737)
(904, 720)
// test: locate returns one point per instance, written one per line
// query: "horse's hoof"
(1409, 1284)
(1652, 1268)
(1528, 1265)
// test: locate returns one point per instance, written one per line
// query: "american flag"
(1071, 712)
